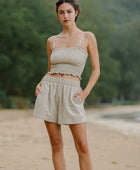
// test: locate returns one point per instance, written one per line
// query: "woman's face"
(66, 13)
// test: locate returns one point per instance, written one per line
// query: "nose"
(65, 15)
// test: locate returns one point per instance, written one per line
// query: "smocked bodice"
(68, 60)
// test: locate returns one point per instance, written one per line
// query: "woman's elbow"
(97, 71)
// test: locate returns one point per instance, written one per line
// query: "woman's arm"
(49, 51)
(94, 57)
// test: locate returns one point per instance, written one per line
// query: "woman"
(60, 99)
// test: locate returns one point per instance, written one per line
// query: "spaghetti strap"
(54, 42)
(81, 39)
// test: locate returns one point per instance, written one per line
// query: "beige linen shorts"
(56, 102)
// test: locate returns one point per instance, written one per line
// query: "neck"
(68, 30)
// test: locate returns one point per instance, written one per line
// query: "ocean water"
(129, 117)
(127, 123)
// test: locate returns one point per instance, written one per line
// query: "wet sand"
(24, 144)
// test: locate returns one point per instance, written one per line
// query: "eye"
(61, 12)
(69, 11)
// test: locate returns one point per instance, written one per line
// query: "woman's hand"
(82, 95)
(38, 88)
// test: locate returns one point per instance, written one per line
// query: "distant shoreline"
(96, 115)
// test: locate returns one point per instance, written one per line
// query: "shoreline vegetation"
(24, 61)
(17, 102)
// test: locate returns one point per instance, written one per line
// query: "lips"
(66, 20)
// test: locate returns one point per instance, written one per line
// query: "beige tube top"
(68, 60)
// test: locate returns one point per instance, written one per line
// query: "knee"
(82, 147)
(57, 145)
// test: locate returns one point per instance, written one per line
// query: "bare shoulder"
(90, 36)
(50, 41)
(50, 38)
(91, 43)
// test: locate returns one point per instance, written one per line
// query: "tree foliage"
(26, 25)
(126, 51)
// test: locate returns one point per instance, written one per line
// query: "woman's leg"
(54, 131)
(81, 144)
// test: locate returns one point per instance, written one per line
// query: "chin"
(66, 23)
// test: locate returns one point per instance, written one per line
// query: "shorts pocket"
(78, 100)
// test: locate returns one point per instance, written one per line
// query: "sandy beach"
(24, 142)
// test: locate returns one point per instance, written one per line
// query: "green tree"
(126, 51)
(102, 26)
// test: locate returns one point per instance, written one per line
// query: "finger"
(75, 95)
(78, 94)
(39, 89)
(35, 93)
